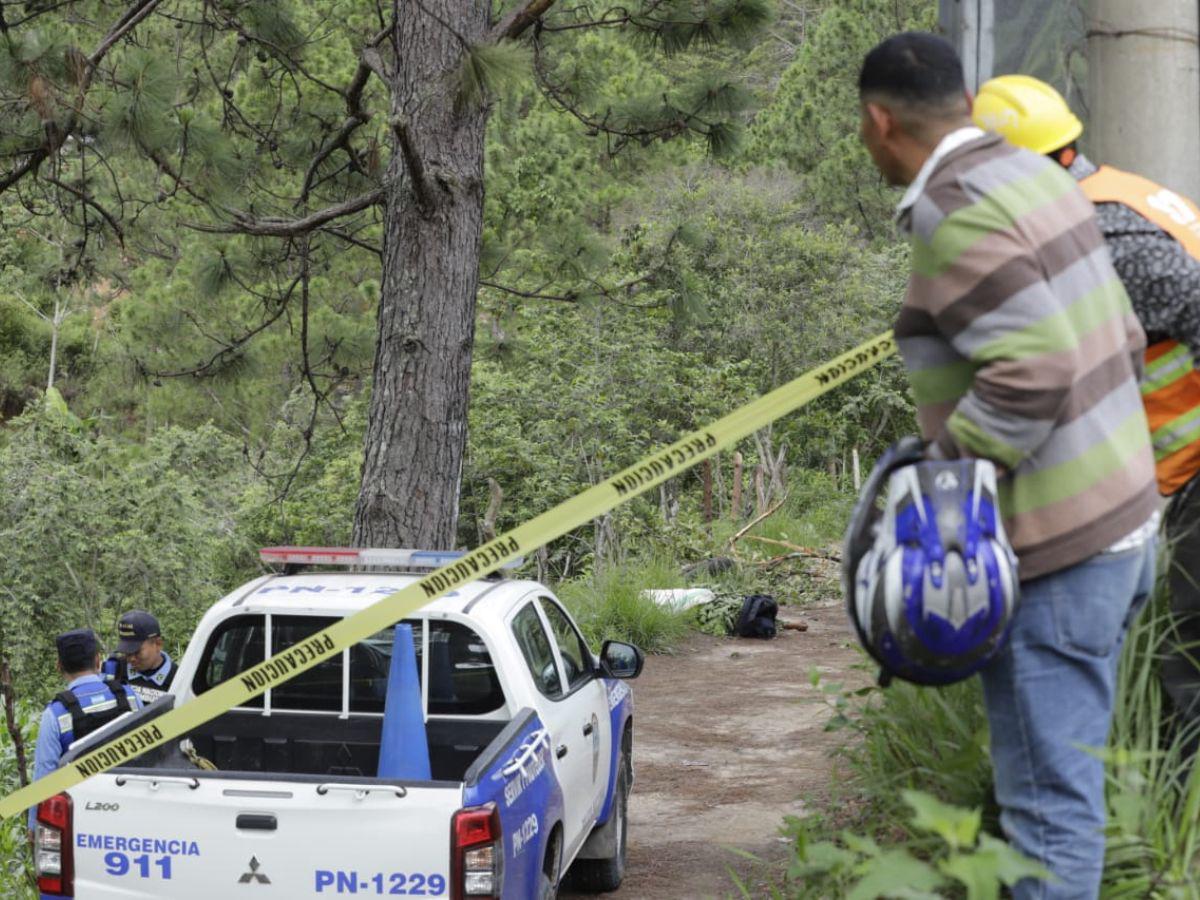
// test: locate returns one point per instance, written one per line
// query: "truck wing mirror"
(621, 660)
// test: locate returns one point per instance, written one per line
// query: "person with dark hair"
(85, 705)
(1153, 237)
(1022, 348)
(139, 660)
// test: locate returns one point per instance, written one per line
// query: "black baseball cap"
(135, 627)
(77, 649)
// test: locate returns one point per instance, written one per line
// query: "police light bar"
(366, 556)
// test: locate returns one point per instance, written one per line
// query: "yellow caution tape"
(570, 514)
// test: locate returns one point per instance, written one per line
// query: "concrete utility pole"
(970, 26)
(1144, 89)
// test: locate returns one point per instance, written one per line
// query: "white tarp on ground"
(680, 599)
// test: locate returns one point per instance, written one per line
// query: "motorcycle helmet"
(929, 577)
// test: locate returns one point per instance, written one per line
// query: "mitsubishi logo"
(254, 874)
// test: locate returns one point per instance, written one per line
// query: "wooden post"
(706, 477)
(735, 506)
(857, 470)
(493, 508)
(719, 485)
(10, 721)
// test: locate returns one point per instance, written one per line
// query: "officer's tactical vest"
(1171, 388)
(82, 711)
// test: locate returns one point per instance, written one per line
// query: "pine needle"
(488, 71)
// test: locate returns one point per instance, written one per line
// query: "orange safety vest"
(1171, 387)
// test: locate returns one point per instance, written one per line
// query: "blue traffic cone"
(403, 747)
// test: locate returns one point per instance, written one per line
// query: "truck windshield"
(462, 678)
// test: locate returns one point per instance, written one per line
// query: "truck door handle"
(561, 751)
(588, 729)
(257, 822)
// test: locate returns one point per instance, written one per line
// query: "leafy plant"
(610, 606)
(958, 855)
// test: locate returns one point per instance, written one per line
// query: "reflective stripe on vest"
(1171, 387)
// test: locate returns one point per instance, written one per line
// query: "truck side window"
(535, 647)
(462, 677)
(236, 645)
(577, 660)
(319, 688)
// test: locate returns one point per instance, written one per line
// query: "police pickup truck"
(529, 738)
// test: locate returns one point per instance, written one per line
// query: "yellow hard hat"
(1028, 112)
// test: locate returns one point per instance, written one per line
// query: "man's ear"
(882, 119)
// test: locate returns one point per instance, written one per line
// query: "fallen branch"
(796, 549)
(766, 514)
(775, 561)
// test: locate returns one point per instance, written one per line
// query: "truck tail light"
(53, 858)
(476, 853)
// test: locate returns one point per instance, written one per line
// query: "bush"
(16, 865)
(935, 741)
(960, 856)
(609, 606)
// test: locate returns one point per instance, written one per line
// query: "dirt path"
(728, 740)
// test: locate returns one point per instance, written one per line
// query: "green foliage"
(1154, 782)
(811, 123)
(958, 853)
(491, 70)
(16, 861)
(609, 606)
(933, 740)
(93, 526)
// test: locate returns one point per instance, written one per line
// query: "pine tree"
(254, 142)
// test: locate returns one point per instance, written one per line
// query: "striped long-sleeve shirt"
(1022, 348)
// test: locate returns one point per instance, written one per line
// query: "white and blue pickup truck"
(530, 740)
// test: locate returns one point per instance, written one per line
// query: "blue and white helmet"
(930, 580)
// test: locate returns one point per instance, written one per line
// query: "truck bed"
(286, 743)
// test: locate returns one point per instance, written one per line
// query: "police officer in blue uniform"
(139, 660)
(86, 704)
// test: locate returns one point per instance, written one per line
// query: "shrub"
(610, 606)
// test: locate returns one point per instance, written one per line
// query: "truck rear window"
(462, 678)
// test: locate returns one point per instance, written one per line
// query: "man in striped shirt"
(1022, 348)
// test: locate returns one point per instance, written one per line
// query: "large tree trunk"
(433, 219)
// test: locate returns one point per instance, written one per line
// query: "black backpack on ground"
(757, 618)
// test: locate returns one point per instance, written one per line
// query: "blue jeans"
(1049, 694)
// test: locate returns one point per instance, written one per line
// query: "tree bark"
(735, 504)
(433, 219)
(11, 724)
(706, 477)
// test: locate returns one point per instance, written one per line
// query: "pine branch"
(134, 15)
(84, 198)
(422, 188)
(355, 118)
(228, 348)
(568, 297)
(54, 135)
(516, 22)
(31, 163)
(244, 223)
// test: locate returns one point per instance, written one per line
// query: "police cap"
(133, 628)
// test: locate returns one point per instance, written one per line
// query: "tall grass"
(610, 606)
(16, 864)
(936, 741)
(1154, 784)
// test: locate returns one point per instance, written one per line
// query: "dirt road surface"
(728, 739)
